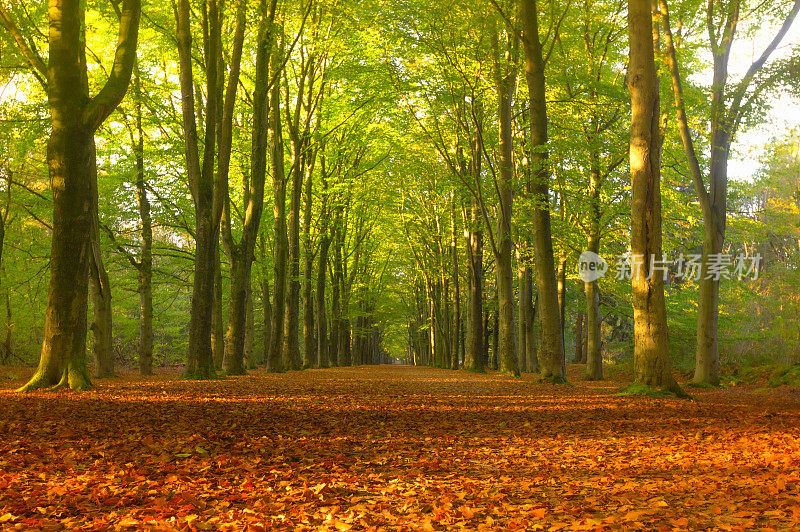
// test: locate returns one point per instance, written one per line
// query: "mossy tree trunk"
(242, 253)
(505, 78)
(75, 116)
(651, 342)
(551, 345)
(207, 194)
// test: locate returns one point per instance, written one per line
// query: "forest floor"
(395, 448)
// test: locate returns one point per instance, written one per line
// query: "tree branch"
(104, 103)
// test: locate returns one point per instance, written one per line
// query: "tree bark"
(522, 319)
(242, 253)
(265, 302)
(496, 340)
(320, 310)
(322, 319)
(291, 330)
(275, 355)
(593, 353)
(250, 361)
(310, 354)
(205, 193)
(71, 164)
(651, 342)
(579, 317)
(551, 346)
(102, 326)
(505, 81)
(561, 279)
(145, 265)
(531, 354)
(336, 283)
(455, 334)
(217, 317)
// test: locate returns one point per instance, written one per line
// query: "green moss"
(553, 379)
(639, 389)
(203, 374)
(701, 385)
(785, 375)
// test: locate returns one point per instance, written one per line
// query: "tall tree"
(242, 253)
(651, 364)
(206, 194)
(729, 105)
(75, 117)
(551, 346)
(505, 78)
(281, 245)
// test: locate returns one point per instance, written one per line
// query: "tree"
(651, 341)
(242, 253)
(274, 353)
(75, 117)
(551, 353)
(729, 105)
(505, 78)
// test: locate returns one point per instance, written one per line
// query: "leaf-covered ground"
(395, 448)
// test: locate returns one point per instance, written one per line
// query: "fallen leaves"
(395, 448)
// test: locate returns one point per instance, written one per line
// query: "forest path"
(395, 447)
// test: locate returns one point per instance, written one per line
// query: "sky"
(782, 117)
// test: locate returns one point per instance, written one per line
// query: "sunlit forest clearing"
(478, 264)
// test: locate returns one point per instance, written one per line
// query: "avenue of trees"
(229, 184)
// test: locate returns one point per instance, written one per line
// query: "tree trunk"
(310, 355)
(456, 321)
(9, 328)
(336, 283)
(562, 289)
(496, 341)
(233, 361)
(102, 327)
(322, 319)
(145, 265)
(593, 352)
(70, 149)
(242, 254)
(487, 332)
(267, 306)
(250, 361)
(200, 362)
(531, 355)
(522, 320)
(71, 164)
(474, 350)
(551, 356)
(275, 354)
(291, 331)
(651, 342)
(217, 319)
(579, 316)
(505, 80)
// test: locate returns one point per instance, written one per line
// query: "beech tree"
(730, 103)
(551, 350)
(75, 116)
(651, 341)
